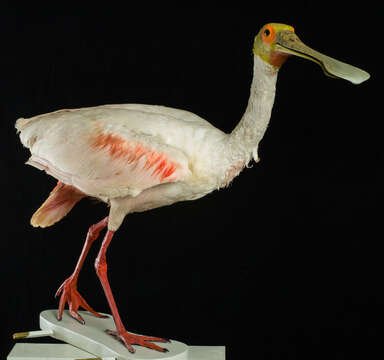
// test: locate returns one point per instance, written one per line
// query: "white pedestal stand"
(91, 342)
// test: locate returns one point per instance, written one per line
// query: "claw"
(131, 339)
(59, 290)
(157, 339)
(77, 316)
(70, 295)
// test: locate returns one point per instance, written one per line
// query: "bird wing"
(107, 151)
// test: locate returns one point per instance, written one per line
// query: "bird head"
(276, 42)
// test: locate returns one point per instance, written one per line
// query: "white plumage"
(113, 152)
(139, 157)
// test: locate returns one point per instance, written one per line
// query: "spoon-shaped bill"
(289, 43)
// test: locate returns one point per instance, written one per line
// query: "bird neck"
(245, 138)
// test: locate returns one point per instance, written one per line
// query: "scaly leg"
(127, 338)
(68, 289)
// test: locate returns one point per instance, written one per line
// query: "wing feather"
(104, 153)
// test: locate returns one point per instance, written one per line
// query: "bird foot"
(129, 339)
(70, 295)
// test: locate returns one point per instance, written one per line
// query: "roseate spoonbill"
(139, 157)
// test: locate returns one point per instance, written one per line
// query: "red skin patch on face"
(268, 35)
(118, 148)
(277, 58)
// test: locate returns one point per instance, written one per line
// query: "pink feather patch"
(132, 152)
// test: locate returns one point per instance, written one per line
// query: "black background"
(284, 264)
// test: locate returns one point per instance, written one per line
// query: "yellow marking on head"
(265, 40)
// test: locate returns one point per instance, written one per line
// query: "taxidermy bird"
(140, 157)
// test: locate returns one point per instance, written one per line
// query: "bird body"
(139, 157)
(121, 151)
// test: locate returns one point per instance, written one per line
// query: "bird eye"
(267, 32)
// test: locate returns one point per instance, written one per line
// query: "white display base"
(92, 338)
(26, 351)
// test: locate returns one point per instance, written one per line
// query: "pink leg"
(127, 338)
(68, 289)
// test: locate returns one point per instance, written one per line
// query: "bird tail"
(28, 133)
(59, 203)
(21, 124)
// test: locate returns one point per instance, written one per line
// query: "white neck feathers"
(244, 139)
